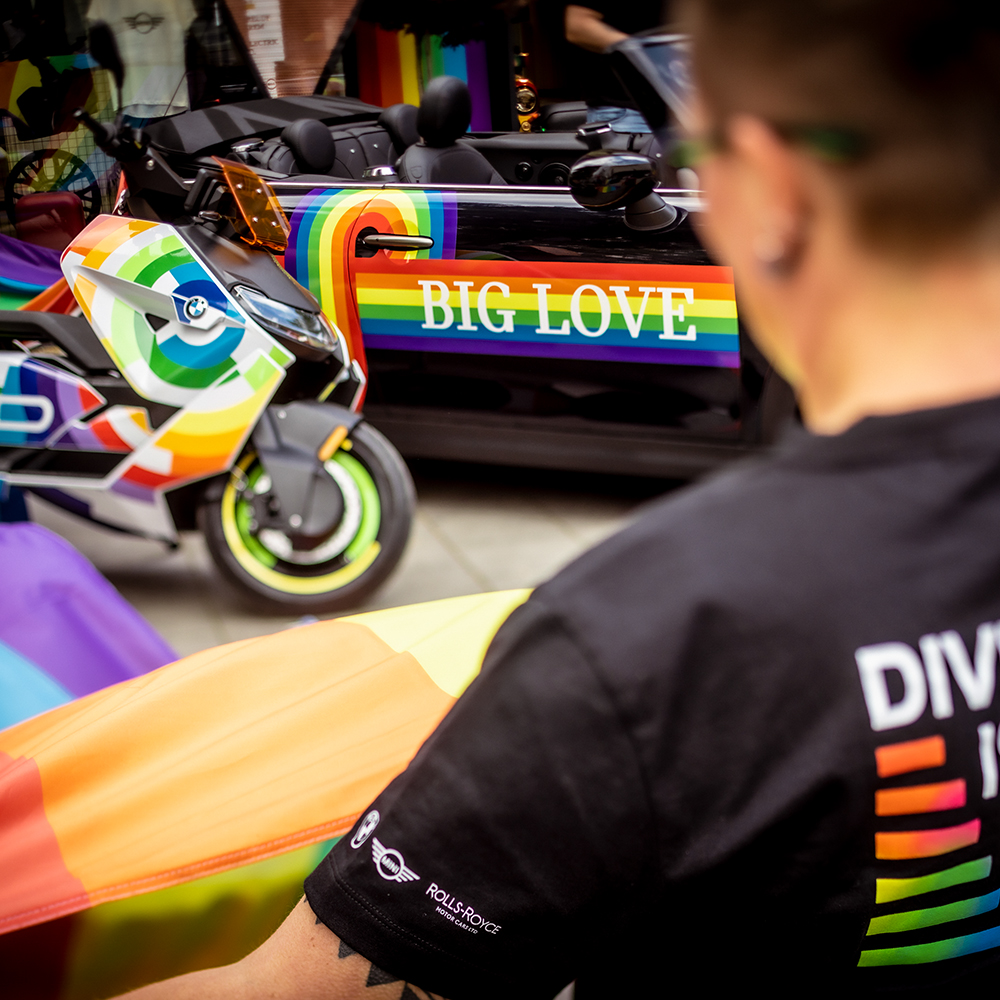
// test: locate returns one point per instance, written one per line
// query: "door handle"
(397, 241)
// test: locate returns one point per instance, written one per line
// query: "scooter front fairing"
(179, 339)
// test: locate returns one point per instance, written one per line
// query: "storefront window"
(178, 54)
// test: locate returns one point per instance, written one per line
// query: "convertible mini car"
(503, 320)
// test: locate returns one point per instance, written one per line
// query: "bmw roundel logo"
(364, 831)
(195, 307)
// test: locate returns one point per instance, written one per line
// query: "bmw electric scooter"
(202, 385)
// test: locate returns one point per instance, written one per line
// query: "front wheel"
(345, 567)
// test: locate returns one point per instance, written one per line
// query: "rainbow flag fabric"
(223, 776)
(25, 270)
(64, 629)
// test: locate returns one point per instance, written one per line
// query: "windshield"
(670, 61)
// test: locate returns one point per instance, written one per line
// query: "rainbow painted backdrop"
(394, 67)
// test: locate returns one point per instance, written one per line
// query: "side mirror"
(104, 51)
(603, 180)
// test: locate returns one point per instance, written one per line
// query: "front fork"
(293, 442)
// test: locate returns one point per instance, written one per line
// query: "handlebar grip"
(104, 135)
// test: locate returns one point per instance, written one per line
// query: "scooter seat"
(72, 333)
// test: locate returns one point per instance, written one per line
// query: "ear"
(756, 188)
(773, 188)
(759, 220)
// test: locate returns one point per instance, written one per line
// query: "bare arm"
(302, 960)
(587, 28)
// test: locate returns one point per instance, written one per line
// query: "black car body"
(515, 326)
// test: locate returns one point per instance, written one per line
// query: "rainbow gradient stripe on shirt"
(896, 848)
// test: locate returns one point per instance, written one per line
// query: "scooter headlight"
(309, 329)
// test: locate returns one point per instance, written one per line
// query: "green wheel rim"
(262, 564)
(371, 508)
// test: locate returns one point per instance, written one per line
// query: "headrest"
(311, 144)
(445, 111)
(400, 121)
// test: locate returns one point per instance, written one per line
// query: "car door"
(323, 222)
(529, 273)
(529, 305)
(515, 302)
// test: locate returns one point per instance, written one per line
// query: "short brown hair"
(915, 82)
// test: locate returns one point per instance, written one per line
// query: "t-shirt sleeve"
(519, 830)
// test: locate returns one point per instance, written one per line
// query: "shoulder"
(701, 575)
(701, 539)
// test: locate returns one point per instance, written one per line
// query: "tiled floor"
(476, 529)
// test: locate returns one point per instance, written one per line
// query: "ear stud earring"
(775, 254)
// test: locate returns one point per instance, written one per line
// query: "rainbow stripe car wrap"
(439, 300)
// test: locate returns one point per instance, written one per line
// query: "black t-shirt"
(751, 739)
(591, 71)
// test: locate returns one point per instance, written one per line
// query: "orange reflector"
(266, 223)
(332, 443)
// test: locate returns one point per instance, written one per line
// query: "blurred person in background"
(592, 29)
(751, 741)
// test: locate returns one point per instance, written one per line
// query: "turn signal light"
(264, 222)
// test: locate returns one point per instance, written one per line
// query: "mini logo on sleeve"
(364, 831)
(389, 863)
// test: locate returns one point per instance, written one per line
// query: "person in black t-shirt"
(592, 28)
(752, 740)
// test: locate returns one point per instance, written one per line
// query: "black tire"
(270, 583)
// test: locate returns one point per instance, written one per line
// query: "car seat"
(307, 147)
(400, 121)
(361, 145)
(304, 147)
(439, 158)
